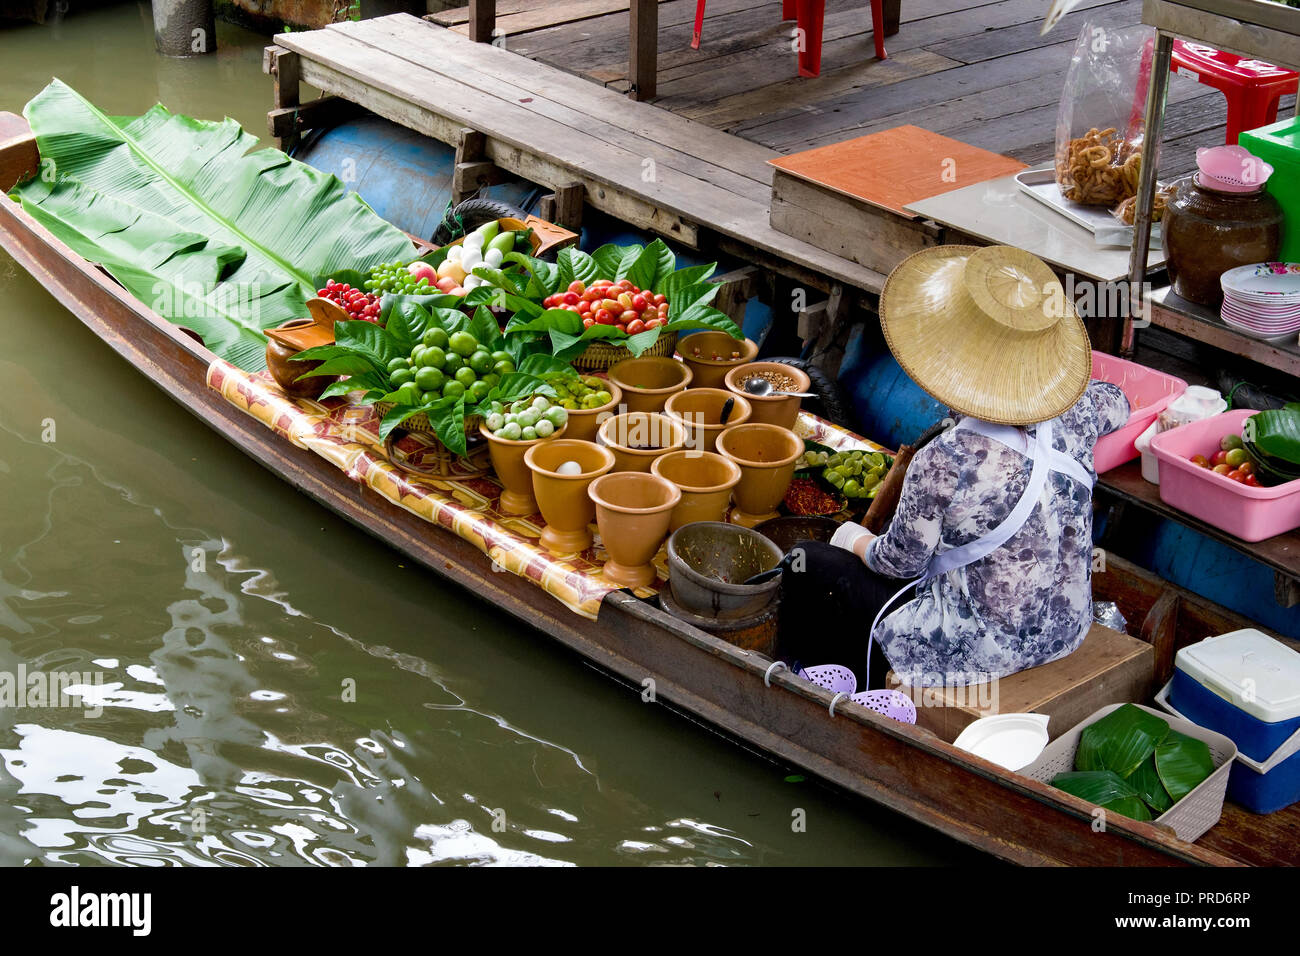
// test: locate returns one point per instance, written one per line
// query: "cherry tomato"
(1246, 468)
(639, 303)
(1222, 468)
(660, 299)
(654, 323)
(1219, 458)
(1251, 479)
(635, 326)
(627, 316)
(571, 298)
(584, 307)
(1200, 461)
(588, 322)
(605, 317)
(1237, 476)
(577, 287)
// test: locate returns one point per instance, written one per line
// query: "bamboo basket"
(433, 458)
(601, 355)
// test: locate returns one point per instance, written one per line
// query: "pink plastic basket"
(1251, 514)
(1148, 391)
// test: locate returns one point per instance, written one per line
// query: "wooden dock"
(976, 70)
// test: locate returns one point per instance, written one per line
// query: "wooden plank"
(482, 20)
(1199, 323)
(553, 14)
(322, 113)
(564, 206)
(875, 238)
(285, 71)
(1010, 39)
(643, 46)
(739, 166)
(460, 14)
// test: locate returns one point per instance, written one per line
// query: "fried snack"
(1099, 168)
(1125, 211)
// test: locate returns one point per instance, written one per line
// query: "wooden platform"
(652, 169)
(976, 70)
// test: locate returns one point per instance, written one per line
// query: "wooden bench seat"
(1108, 667)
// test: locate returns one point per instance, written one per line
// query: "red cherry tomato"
(1200, 461)
(605, 317)
(654, 323)
(588, 322)
(627, 316)
(1251, 479)
(1218, 458)
(571, 298)
(639, 303)
(635, 326)
(584, 307)
(577, 287)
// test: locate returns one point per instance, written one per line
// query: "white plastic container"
(1196, 403)
(1008, 740)
(1150, 464)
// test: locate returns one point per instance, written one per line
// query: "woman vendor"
(994, 521)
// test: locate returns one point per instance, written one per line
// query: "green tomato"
(453, 390)
(417, 356)
(465, 375)
(835, 478)
(429, 397)
(603, 398)
(544, 429)
(557, 416)
(463, 344)
(436, 337)
(430, 379)
(481, 361)
(529, 418)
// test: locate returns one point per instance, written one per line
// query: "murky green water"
(225, 613)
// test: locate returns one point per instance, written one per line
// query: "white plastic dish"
(1012, 741)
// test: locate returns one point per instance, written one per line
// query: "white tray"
(1041, 184)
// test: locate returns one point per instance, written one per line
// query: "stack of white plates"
(1263, 300)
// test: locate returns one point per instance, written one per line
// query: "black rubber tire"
(473, 213)
(831, 403)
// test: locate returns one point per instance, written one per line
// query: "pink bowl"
(1251, 514)
(1148, 392)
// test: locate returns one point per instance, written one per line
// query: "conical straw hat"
(988, 331)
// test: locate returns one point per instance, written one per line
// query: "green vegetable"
(1106, 789)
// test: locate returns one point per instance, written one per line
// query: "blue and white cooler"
(1246, 686)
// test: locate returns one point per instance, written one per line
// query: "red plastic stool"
(1252, 87)
(809, 16)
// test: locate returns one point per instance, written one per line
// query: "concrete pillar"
(184, 27)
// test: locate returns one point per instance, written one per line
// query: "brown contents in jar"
(779, 381)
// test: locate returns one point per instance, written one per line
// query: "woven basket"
(431, 457)
(1191, 816)
(601, 354)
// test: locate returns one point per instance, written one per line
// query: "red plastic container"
(1149, 393)
(1251, 514)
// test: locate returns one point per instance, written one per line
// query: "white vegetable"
(493, 258)
(569, 468)
(454, 253)
(470, 258)
(544, 428)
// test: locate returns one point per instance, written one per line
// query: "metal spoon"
(727, 408)
(761, 387)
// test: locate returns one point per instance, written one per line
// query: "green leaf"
(540, 364)
(636, 344)
(368, 339)
(672, 285)
(350, 364)
(650, 263)
(165, 202)
(1146, 781)
(575, 264)
(394, 302)
(483, 326)
(1182, 763)
(1123, 739)
(689, 297)
(1276, 433)
(1104, 788)
(373, 383)
(406, 324)
(608, 258)
(704, 317)
(447, 416)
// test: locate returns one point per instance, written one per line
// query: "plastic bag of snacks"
(1099, 125)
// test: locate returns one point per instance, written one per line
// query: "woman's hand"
(853, 537)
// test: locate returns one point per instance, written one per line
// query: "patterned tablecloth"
(346, 434)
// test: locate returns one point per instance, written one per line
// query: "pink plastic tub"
(1251, 514)
(1148, 391)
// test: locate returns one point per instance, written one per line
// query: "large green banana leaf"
(211, 236)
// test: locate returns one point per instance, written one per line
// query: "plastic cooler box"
(1149, 393)
(1279, 145)
(1246, 686)
(1251, 514)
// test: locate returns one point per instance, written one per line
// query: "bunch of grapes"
(358, 305)
(394, 277)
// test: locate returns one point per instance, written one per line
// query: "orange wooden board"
(897, 166)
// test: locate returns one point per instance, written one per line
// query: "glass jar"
(1209, 231)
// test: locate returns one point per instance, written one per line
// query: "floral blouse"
(1027, 603)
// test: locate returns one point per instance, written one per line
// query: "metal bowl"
(786, 532)
(708, 559)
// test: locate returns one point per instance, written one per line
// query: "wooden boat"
(898, 766)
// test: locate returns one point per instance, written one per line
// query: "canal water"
(267, 685)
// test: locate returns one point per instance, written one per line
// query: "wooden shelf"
(1280, 553)
(1169, 311)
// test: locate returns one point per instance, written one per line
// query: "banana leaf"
(1120, 741)
(1104, 788)
(1146, 781)
(1276, 433)
(222, 240)
(1182, 762)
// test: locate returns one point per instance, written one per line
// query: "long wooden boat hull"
(897, 766)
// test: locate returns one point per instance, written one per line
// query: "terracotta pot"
(697, 351)
(770, 409)
(766, 455)
(632, 512)
(583, 422)
(623, 433)
(705, 481)
(563, 499)
(647, 382)
(700, 410)
(286, 372)
(513, 472)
